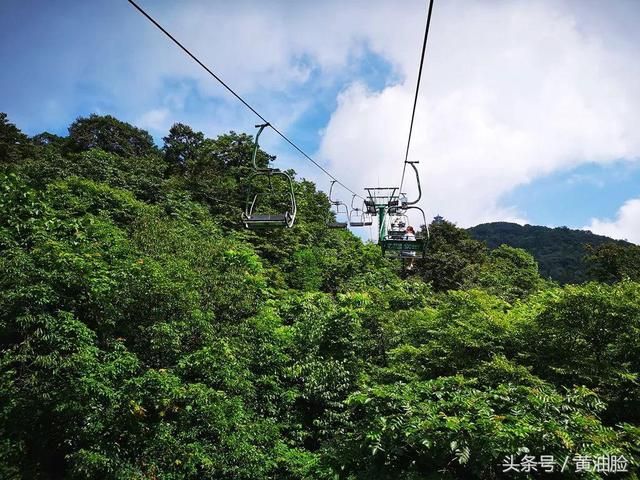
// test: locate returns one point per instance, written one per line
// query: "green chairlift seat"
(404, 248)
(394, 244)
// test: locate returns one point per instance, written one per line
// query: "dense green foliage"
(613, 262)
(144, 334)
(560, 252)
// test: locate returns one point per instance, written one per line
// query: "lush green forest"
(562, 253)
(145, 334)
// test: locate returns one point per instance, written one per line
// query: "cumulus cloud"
(503, 103)
(626, 225)
(512, 91)
(156, 120)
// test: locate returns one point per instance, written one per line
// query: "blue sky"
(528, 111)
(572, 198)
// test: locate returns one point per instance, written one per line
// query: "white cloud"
(512, 91)
(626, 225)
(156, 120)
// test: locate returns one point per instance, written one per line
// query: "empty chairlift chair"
(338, 209)
(258, 213)
(359, 216)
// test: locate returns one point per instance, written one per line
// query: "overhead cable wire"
(242, 100)
(415, 100)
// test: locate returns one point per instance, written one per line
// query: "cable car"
(258, 213)
(340, 209)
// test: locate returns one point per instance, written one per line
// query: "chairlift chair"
(358, 216)
(395, 245)
(338, 212)
(339, 209)
(255, 215)
(394, 204)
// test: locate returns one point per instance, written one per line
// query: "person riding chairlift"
(409, 235)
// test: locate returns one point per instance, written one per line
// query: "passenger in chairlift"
(410, 235)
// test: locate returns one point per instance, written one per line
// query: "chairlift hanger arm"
(415, 169)
(333, 182)
(256, 146)
(354, 208)
(337, 203)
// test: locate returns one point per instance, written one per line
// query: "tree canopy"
(144, 333)
(110, 135)
(560, 252)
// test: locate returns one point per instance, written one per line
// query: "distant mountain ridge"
(559, 251)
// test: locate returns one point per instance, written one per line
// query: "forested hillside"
(560, 252)
(145, 334)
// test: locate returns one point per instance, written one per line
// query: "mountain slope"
(559, 251)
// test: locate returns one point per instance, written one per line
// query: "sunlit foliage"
(144, 334)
